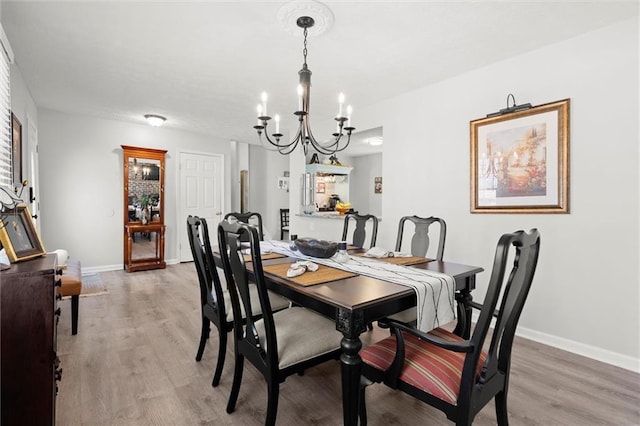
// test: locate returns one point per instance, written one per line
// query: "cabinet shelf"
(327, 169)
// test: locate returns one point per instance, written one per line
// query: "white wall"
(363, 197)
(264, 196)
(81, 177)
(23, 106)
(585, 294)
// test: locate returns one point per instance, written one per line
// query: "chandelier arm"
(336, 143)
(345, 145)
(280, 146)
(265, 145)
(322, 149)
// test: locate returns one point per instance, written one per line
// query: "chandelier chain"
(304, 51)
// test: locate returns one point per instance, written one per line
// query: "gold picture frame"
(520, 161)
(18, 235)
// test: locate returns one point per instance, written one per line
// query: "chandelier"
(304, 136)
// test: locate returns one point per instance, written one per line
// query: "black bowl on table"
(316, 248)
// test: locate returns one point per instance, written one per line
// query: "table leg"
(351, 325)
(464, 298)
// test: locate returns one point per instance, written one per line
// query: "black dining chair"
(420, 244)
(214, 299)
(360, 232)
(284, 222)
(420, 240)
(280, 343)
(457, 376)
(251, 218)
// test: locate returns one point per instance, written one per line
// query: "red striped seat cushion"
(426, 367)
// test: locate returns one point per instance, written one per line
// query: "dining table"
(354, 301)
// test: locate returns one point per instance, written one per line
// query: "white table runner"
(435, 291)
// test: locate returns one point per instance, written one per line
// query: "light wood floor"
(133, 363)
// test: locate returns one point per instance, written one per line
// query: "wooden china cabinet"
(30, 365)
(144, 227)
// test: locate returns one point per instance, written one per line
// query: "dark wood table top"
(361, 291)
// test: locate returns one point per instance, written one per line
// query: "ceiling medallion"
(322, 16)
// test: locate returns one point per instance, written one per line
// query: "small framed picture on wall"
(16, 149)
(377, 185)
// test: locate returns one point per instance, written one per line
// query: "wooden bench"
(72, 286)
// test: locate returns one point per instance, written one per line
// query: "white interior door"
(201, 194)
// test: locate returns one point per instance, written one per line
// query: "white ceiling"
(204, 64)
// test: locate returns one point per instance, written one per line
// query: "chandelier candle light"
(304, 136)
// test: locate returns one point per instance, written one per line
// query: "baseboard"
(119, 267)
(589, 351)
(593, 352)
(104, 268)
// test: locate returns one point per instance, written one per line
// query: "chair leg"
(272, 403)
(501, 409)
(222, 351)
(204, 335)
(235, 387)
(362, 405)
(370, 326)
(75, 299)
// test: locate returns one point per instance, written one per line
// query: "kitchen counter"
(322, 215)
(321, 225)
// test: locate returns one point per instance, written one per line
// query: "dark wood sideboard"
(30, 366)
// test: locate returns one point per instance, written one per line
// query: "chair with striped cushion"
(447, 372)
(280, 343)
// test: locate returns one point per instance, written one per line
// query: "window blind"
(6, 55)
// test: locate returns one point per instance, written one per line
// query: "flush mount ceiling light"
(155, 120)
(304, 136)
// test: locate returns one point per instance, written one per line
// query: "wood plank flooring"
(133, 363)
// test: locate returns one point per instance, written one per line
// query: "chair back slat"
(514, 288)
(211, 291)
(284, 217)
(231, 243)
(284, 222)
(250, 218)
(420, 240)
(360, 233)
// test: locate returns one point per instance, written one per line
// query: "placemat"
(406, 261)
(265, 256)
(324, 274)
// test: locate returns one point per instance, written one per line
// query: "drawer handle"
(58, 296)
(58, 312)
(58, 374)
(58, 283)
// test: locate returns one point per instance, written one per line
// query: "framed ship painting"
(520, 161)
